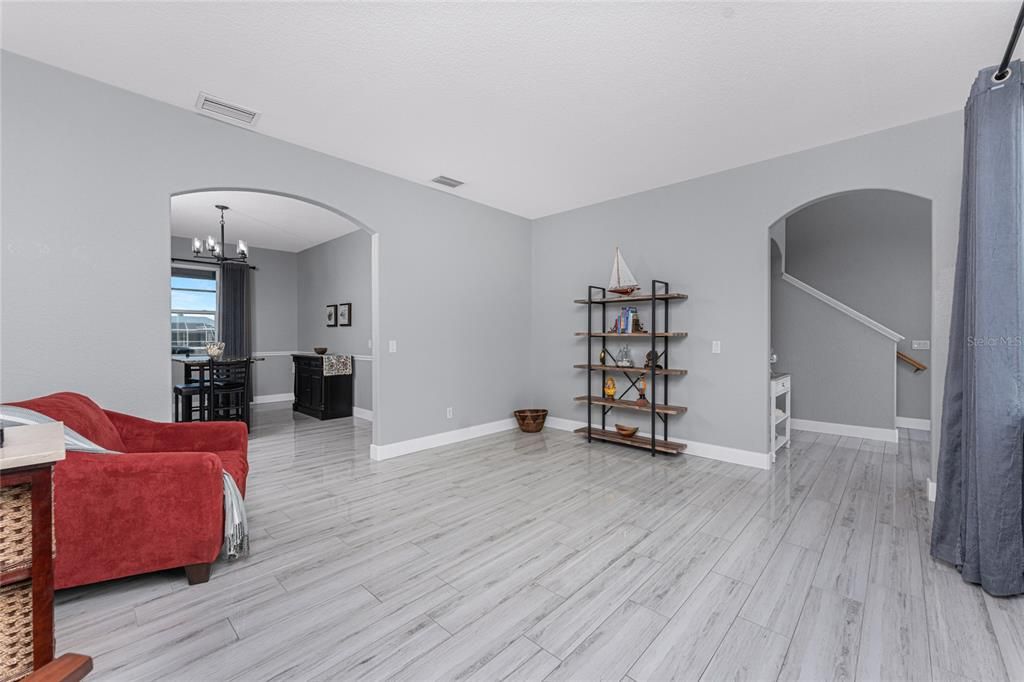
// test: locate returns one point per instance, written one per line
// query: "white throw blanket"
(236, 526)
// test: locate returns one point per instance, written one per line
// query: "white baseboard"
(273, 398)
(362, 413)
(931, 490)
(563, 424)
(405, 447)
(851, 430)
(913, 423)
(758, 460)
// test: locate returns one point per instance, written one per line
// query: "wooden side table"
(27, 547)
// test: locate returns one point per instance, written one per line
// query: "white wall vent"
(225, 111)
(447, 182)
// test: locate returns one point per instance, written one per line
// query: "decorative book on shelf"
(636, 316)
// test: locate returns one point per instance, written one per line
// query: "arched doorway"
(281, 222)
(850, 294)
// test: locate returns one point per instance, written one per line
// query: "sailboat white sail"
(622, 281)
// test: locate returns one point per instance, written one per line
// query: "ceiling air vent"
(447, 182)
(225, 111)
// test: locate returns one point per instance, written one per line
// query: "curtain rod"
(1003, 72)
(199, 262)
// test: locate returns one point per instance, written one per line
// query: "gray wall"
(872, 251)
(709, 238)
(338, 271)
(842, 370)
(87, 172)
(274, 320)
(114, 158)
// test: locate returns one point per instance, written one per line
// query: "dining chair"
(224, 391)
(186, 407)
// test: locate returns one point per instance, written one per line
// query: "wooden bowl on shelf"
(626, 431)
(530, 421)
(319, 350)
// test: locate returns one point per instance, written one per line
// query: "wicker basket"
(15, 631)
(16, 521)
(531, 421)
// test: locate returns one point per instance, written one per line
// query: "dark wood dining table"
(194, 363)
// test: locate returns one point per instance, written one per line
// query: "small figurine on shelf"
(602, 356)
(642, 390)
(609, 388)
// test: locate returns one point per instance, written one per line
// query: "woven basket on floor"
(15, 631)
(531, 421)
(16, 521)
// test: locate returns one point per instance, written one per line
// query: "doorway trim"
(374, 278)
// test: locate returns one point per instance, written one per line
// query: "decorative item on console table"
(657, 405)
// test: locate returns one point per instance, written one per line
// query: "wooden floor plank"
(626, 566)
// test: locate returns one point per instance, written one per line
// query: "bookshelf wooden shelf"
(631, 404)
(642, 335)
(654, 382)
(666, 447)
(634, 370)
(636, 298)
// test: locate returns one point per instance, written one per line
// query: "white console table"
(780, 425)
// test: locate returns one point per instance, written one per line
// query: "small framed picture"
(332, 315)
(344, 314)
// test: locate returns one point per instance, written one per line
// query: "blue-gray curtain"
(979, 505)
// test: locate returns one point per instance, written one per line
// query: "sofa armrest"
(119, 515)
(143, 435)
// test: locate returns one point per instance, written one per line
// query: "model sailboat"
(622, 281)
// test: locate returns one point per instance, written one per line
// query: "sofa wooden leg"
(197, 573)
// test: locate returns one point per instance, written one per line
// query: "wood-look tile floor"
(529, 557)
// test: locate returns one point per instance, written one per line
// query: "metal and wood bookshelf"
(660, 298)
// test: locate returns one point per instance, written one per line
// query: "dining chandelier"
(215, 249)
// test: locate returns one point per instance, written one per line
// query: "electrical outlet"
(716, 346)
(392, 346)
(921, 345)
(450, 412)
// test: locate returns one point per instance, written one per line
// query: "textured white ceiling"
(538, 107)
(266, 220)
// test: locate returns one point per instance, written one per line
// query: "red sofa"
(159, 505)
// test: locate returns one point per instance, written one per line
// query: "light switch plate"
(392, 346)
(716, 346)
(921, 345)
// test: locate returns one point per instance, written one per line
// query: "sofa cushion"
(80, 414)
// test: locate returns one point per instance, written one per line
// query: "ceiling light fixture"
(215, 249)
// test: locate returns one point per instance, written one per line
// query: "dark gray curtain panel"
(235, 321)
(979, 505)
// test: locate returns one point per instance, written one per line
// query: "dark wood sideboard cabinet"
(323, 397)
